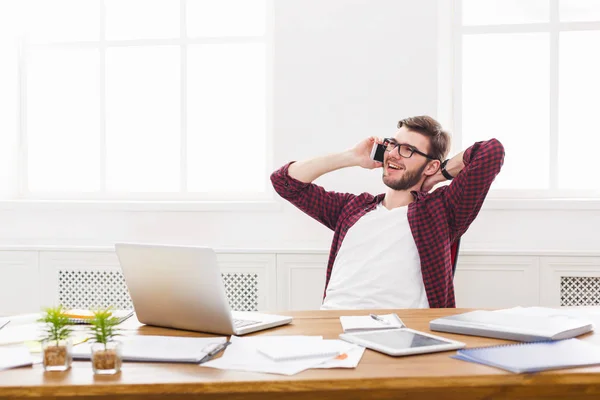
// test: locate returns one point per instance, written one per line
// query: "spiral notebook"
(535, 356)
(83, 317)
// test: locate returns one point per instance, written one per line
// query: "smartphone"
(377, 152)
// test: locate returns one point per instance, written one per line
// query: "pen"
(378, 318)
(214, 352)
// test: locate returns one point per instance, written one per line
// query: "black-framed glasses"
(405, 150)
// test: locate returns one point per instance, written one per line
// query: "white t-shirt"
(378, 265)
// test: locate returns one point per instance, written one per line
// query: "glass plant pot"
(57, 355)
(106, 358)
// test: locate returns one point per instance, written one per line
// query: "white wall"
(344, 69)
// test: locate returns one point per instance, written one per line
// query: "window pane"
(506, 95)
(226, 17)
(579, 135)
(63, 120)
(62, 20)
(492, 12)
(142, 19)
(226, 118)
(8, 116)
(142, 119)
(579, 10)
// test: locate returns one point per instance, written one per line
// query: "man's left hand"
(432, 180)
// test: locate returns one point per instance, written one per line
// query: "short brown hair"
(439, 139)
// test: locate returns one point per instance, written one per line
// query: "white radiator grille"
(579, 291)
(242, 291)
(93, 289)
(101, 288)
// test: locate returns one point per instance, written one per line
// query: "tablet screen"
(401, 339)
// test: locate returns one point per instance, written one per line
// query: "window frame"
(176, 201)
(450, 34)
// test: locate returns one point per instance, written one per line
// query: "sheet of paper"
(356, 323)
(242, 355)
(14, 357)
(349, 359)
(282, 351)
(23, 319)
(14, 333)
(21, 328)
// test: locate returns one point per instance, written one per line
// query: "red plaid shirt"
(436, 219)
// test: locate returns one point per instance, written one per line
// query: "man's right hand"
(362, 153)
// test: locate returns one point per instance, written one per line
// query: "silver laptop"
(181, 287)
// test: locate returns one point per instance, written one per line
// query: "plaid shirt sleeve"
(465, 195)
(322, 205)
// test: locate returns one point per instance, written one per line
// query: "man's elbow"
(274, 177)
(281, 181)
(277, 181)
(496, 153)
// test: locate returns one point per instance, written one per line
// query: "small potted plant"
(56, 343)
(106, 351)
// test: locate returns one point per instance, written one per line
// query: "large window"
(526, 72)
(134, 99)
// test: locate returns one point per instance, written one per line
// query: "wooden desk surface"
(429, 376)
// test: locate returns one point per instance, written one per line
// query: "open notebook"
(535, 356)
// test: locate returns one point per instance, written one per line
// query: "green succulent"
(103, 326)
(57, 324)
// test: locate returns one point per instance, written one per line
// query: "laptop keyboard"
(239, 323)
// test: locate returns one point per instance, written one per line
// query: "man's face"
(401, 173)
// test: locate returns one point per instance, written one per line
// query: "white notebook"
(281, 351)
(359, 323)
(159, 348)
(526, 328)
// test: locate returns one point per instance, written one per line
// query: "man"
(393, 250)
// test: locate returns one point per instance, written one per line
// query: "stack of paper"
(288, 355)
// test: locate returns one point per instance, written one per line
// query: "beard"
(408, 180)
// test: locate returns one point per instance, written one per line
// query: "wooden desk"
(429, 376)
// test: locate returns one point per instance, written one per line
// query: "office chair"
(454, 254)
